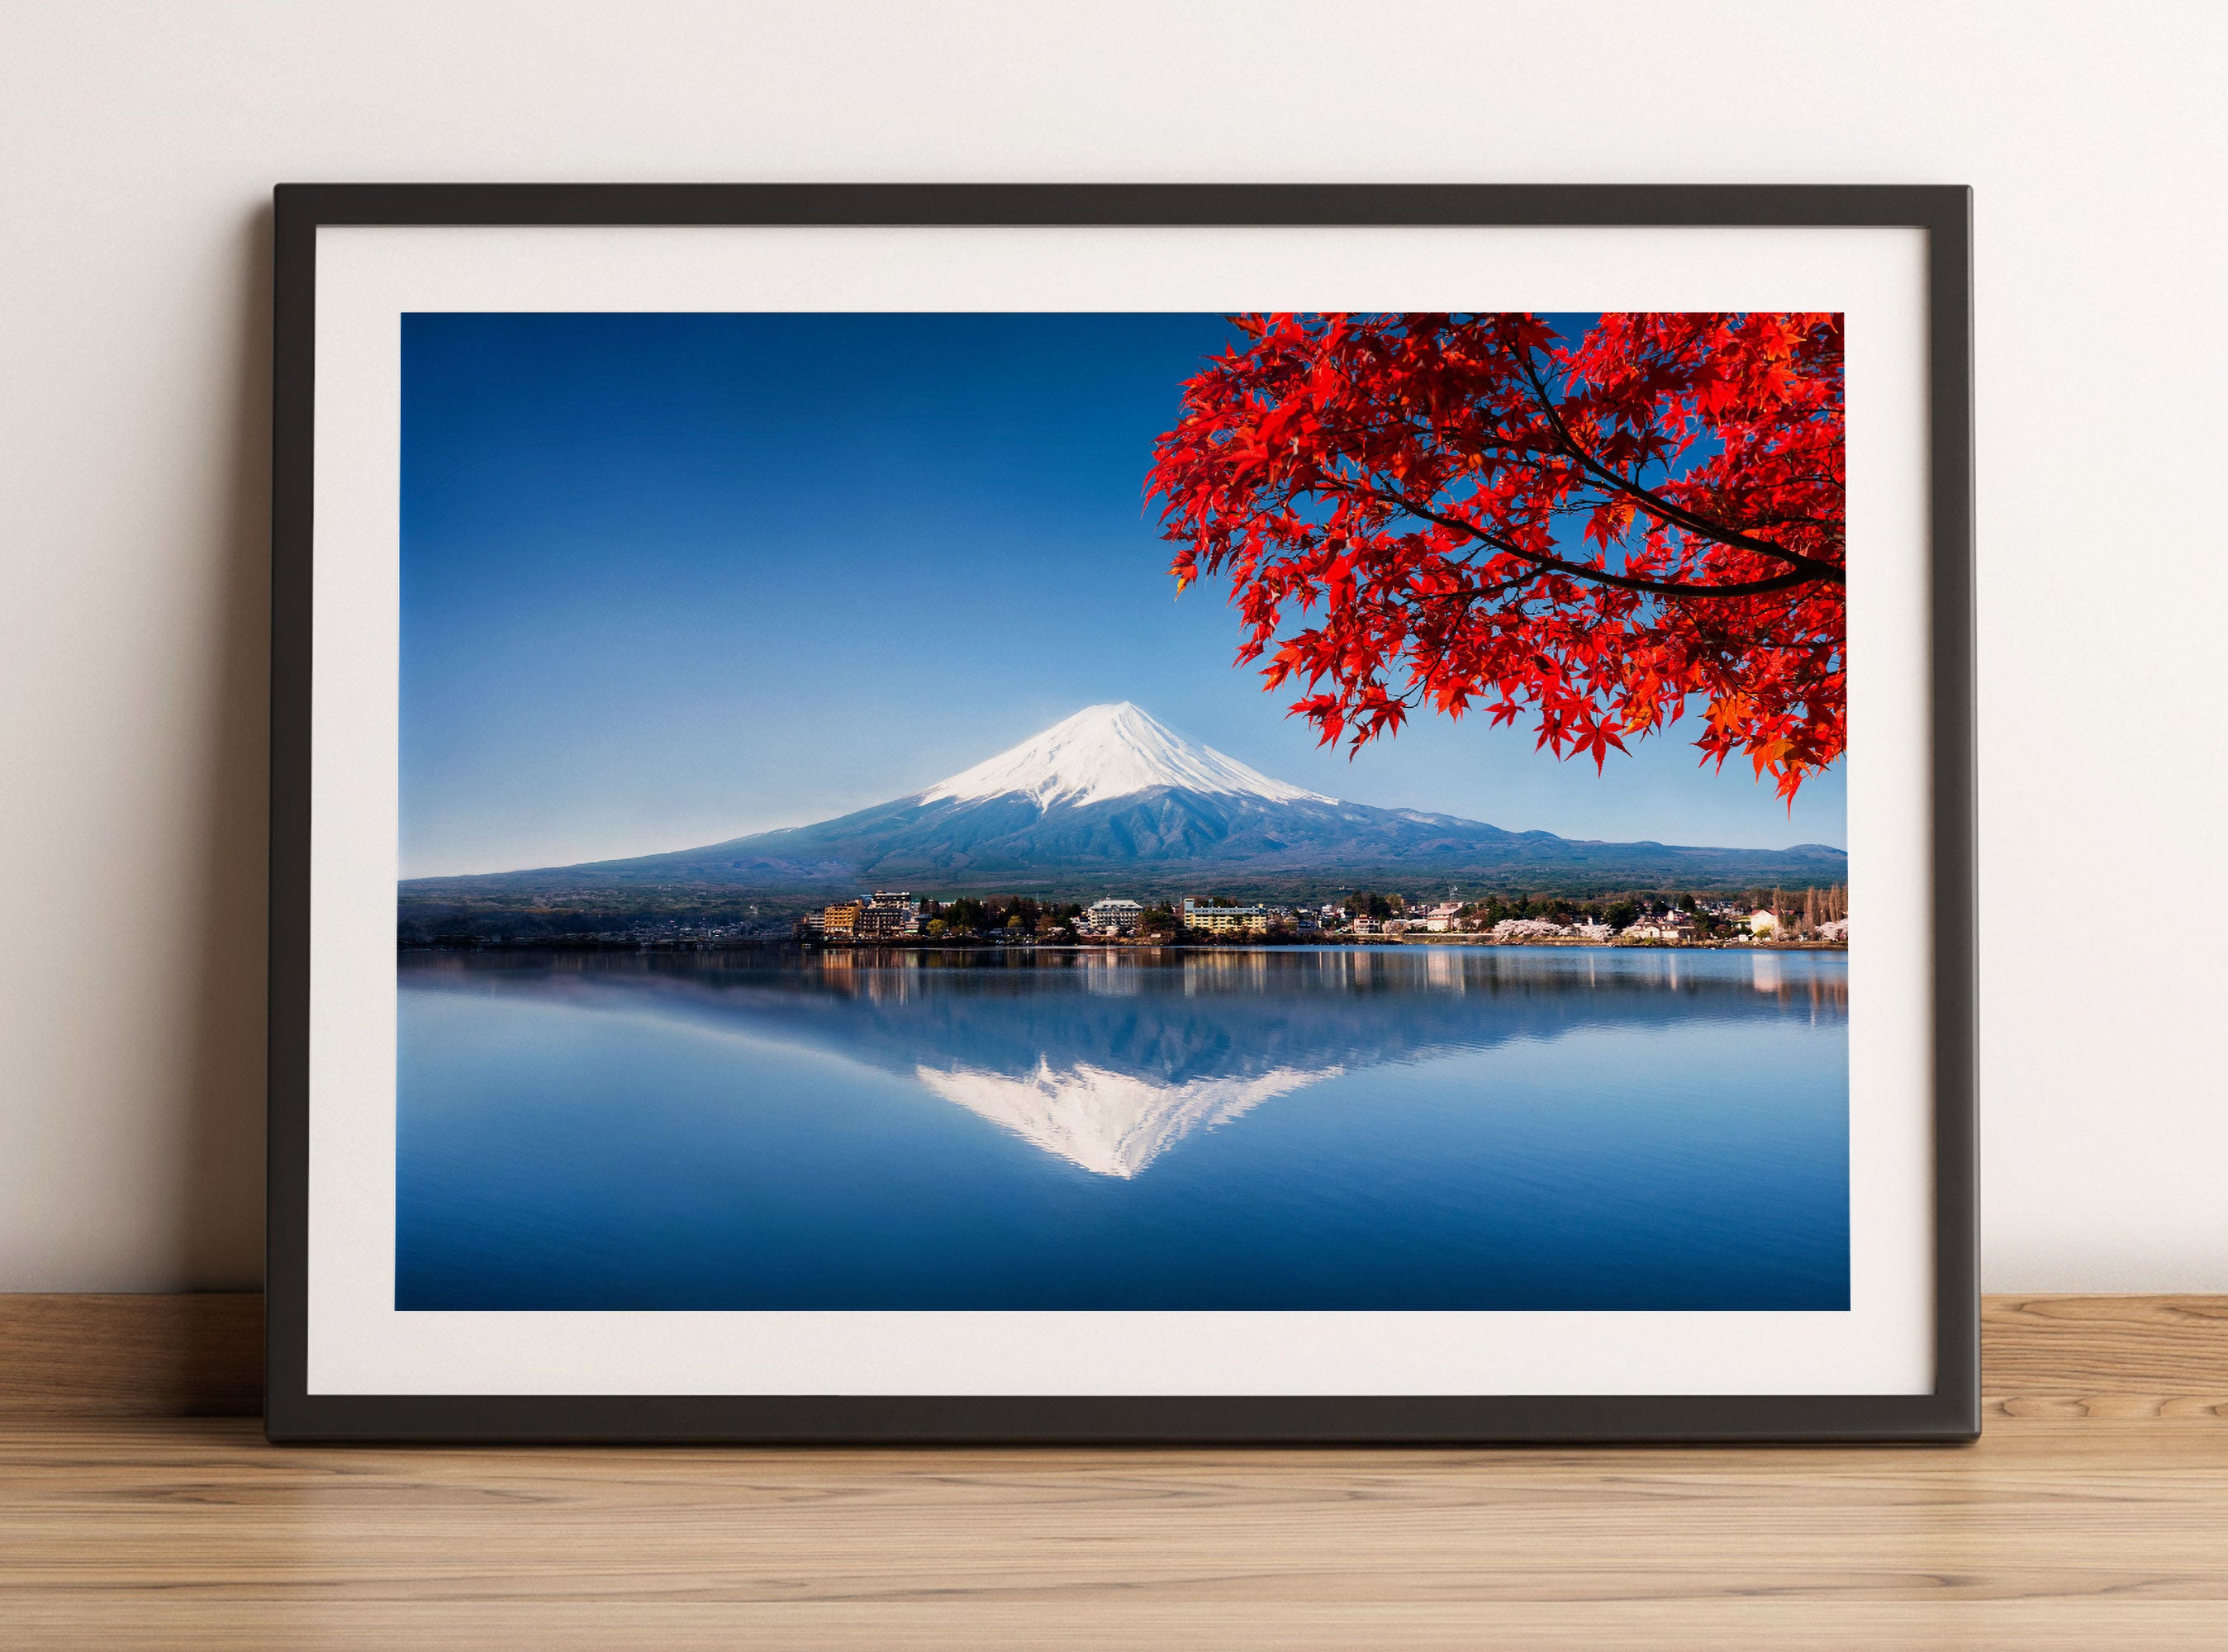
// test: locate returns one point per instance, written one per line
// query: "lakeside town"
(1811, 917)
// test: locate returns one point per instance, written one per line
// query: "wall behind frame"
(138, 145)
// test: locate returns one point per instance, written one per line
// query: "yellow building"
(1226, 920)
(842, 922)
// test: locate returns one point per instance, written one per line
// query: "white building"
(1761, 922)
(1112, 917)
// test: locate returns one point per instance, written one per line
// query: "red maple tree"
(1460, 508)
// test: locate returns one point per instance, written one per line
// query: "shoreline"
(1008, 949)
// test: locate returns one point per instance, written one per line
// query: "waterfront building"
(841, 921)
(1763, 922)
(1113, 916)
(1226, 920)
(888, 915)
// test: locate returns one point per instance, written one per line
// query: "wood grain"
(199, 1354)
(2077, 1521)
(2110, 1357)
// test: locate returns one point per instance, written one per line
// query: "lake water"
(1399, 1127)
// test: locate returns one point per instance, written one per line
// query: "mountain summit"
(1110, 751)
(1111, 801)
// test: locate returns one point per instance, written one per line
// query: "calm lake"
(1398, 1127)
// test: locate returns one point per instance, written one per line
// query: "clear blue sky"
(668, 579)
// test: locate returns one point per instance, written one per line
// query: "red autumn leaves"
(1460, 510)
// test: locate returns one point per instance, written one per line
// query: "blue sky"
(668, 579)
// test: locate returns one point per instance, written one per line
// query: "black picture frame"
(1951, 1412)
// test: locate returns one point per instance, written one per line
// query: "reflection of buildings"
(1107, 1059)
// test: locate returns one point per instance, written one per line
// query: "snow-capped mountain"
(1111, 751)
(1112, 800)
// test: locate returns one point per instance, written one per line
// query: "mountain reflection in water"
(1396, 1127)
(1108, 1059)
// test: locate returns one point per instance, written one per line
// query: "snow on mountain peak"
(1105, 752)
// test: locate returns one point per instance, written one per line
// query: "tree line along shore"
(1812, 916)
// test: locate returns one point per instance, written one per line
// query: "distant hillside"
(1112, 800)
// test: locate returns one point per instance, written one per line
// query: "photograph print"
(1123, 811)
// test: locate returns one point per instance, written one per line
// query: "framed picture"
(1151, 814)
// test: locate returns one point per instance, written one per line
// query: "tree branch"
(1656, 504)
(1602, 576)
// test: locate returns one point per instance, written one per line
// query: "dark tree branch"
(1656, 504)
(1787, 581)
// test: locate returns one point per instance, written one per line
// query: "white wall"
(138, 145)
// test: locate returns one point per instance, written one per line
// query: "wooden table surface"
(2092, 1513)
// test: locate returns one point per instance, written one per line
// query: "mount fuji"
(1112, 797)
(1107, 752)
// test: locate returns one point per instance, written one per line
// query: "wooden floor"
(2093, 1514)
